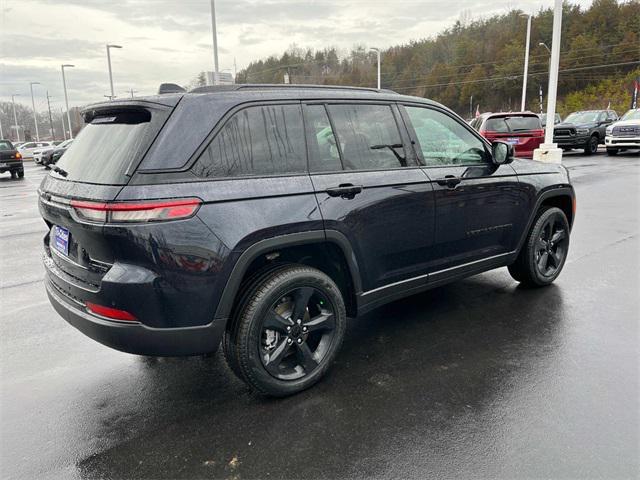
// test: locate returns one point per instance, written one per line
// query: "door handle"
(344, 190)
(449, 181)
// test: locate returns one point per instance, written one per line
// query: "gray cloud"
(170, 40)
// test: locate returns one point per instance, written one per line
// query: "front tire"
(287, 330)
(592, 146)
(545, 250)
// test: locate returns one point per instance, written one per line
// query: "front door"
(479, 208)
(370, 188)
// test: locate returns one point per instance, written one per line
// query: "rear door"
(479, 208)
(370, 188)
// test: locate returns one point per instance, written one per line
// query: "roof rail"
(262, 86)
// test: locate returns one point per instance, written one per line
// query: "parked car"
(52, 155)
(264, 216)
(624, 134)
(27, 149)
(585, 129)
(543, 119)
(10, 160)
(521, 129)
(41, 152)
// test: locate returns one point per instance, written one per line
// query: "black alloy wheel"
(286, 330)
(297, 332)
(551, 248)
(545, 250)
(592, 146)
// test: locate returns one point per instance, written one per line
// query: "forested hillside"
(484, 58)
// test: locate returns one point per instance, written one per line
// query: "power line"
(514, 77)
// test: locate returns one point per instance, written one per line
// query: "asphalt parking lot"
(477, 379)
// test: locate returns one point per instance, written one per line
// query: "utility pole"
(66, 102)
(215, 37)
(132, 91)
(235, 70)
(33, 105)
(471, 106)
(549, 151)
(53, 133)
(1, 134)
(15, 117)
(64, 133)
(377, 50)
(526, 64)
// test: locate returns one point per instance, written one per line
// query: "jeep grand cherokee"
(261, 217)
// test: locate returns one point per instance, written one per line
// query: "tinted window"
(105, 148)
(5, 145)
(443, 140)
(265, 140)
(323, 149)
(368, 136)
(512, 124)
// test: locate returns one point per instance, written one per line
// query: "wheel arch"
(561, 197)
(329, 252)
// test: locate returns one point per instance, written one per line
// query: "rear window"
(512, 124)
(5, 145)
(106, 147)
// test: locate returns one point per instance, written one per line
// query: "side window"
(368, 136)
(323, 149)
(602, 117)
(444, 141)
(612, 116)
(263, 140)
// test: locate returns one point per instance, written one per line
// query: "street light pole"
(64, 131)
(33, 104)
(15, 117)
(66, 101)
(526, 64)
(377, 50)
(109, 64)
(549, 151)
(214, 32)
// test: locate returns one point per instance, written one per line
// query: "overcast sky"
(170, 40)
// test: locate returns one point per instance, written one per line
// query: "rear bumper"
(11, 166)
(622, 142)
(133, 337)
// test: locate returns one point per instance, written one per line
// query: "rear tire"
(288, 328)
(14, 174)
(612, 151)
(21, 174)
(592, 146)
(545, 250)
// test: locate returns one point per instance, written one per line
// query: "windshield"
(106, 147)
(582, 117)
(5, 145)
(632, 115)
(513, 124)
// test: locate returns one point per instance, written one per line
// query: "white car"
(27, 149)
(623, 134)
(40, 152)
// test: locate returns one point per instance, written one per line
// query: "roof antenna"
(170, 88)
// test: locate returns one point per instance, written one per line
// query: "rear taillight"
(537, 133)
(128, 212)
(18, 155)
(109, 312)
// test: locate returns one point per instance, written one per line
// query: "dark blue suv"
(262, 216)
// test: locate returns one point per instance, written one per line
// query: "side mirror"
(502, 153)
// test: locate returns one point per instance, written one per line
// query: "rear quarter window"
(259, 140)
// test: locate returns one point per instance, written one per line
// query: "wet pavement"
(477, 379)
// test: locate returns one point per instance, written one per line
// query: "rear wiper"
(57, 169)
